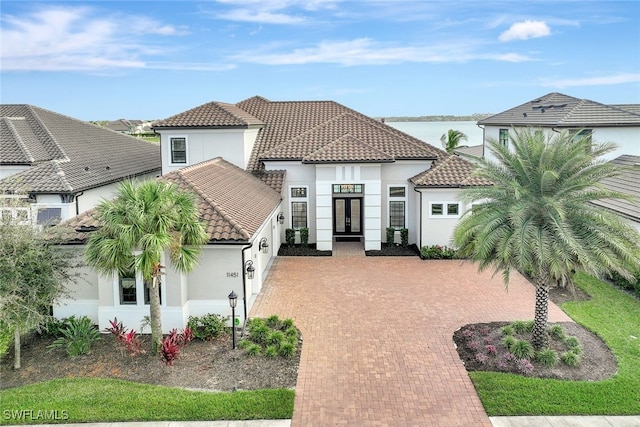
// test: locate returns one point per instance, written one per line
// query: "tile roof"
(472, 151)
(295, 129)
(212, 114)
(627, 182)
(233, 203)
(559, 110)
(451, 172)
(347, 149)
(67, 155)
(273, 178)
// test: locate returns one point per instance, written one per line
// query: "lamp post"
(233, 300)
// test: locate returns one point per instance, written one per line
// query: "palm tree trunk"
(16, 346)
(540, 339)
(155, 315)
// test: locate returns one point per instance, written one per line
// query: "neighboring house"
(470, 153)
(628, 183)
(259, 167)
(554, 112)
(63, 166)
(121, 125)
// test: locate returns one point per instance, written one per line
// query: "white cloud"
(58, 38)
(594, 81)
(365, 51)
(263, 17)
(526, 30)
(271, 11)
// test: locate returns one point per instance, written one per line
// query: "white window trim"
(444, 209)
(297, 199)
(186, 149)
(397, 199)
(139, 292)
(14, 214)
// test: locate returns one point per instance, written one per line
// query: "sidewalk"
(567, 421)
(249, 423)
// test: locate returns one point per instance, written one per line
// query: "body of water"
(430, 132)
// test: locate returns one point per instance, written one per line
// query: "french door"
(347, 216)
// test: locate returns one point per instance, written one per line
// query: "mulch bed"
(395, 250)
(201, 365)
(300, 250)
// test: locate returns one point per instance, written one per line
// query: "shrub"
(290, 236)
(509, 357)
(629, 285)
(508, 341)
(291, 333)
(572, 342)
(287, 349)
(77, 337)
(258, 332)
(524, 367)
(557, 332)
(287, 324)
(520, 326)
(491, 349)
(473, 345)
(6, 338)
(522, 349)
(271, 351)
(468, 333)
(391, 235)
(485, 331)
(507, 330)
(275, 338)
(570, 358)
(304, 236)
(404, 237)
(482, 358)
(207, 327)
(437, 252)
(52, 327)
(273, 321)
(253, 349)
(170, 348)
(547, 357)
(117, 329)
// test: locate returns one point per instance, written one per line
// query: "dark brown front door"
(347, 216)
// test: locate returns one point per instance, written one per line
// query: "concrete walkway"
(377, 332)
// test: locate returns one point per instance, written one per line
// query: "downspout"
(420, 222)
(481, 127)
(244, 286)
(77, 203)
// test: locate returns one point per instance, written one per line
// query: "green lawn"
(85, 400)
(612, 315)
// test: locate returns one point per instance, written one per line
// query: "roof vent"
(86, 168)
(108, 168)
(524, 114)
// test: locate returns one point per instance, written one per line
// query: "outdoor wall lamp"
(281, 218)
(263, 245)
(233, 301)
(248, 267)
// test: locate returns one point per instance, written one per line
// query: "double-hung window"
(397, 206)
(503, 137)
(178, 149)
(299, 205)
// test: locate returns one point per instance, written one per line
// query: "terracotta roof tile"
(233, 203)
(452, 171)
(212, 114)
(273, 178)
(347, 149)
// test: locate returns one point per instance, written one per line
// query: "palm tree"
(137, 227)
(537, 217)
(451, 139)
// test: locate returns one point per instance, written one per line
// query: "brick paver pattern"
(377, 331)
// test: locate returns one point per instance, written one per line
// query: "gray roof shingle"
(627, 182)
(67, 155)
(563, 111)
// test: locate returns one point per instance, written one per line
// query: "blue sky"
(98, 60)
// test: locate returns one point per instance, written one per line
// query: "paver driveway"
(377, 332)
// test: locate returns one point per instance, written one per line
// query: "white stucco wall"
(438, 230)
(234, 145)
(626, 138)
